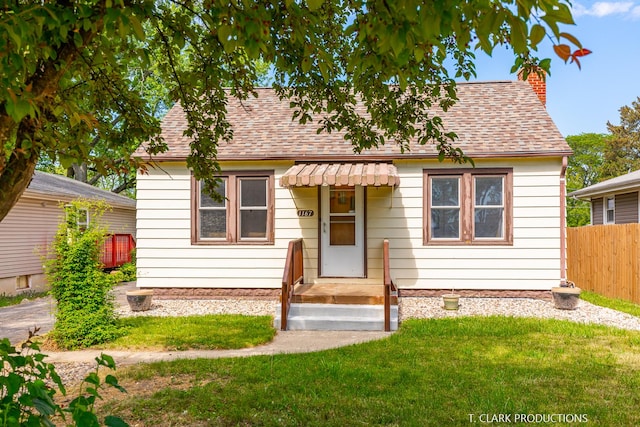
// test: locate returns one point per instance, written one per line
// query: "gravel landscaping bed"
(517, 307)
(167, 307)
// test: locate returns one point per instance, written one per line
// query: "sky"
(583, 101)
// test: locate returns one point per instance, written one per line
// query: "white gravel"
(410, 307)
(517, 307)
(175, 307)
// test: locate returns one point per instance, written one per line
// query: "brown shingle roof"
(491, 119)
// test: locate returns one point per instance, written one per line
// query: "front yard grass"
(435, 372)
(207, 332)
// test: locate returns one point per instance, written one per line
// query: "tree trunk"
(14, 179)
(80, 172)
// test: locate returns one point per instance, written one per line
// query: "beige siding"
(120, 221)
(166, 257)
(30, 227)
(24, 233)
(531, 263)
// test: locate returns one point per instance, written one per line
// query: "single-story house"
(614, 201)
(32, 223)
(497, 226)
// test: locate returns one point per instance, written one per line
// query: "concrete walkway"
(16, 320)
(284, 342)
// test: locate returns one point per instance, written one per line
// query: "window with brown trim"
(468, 206)
(244, 216)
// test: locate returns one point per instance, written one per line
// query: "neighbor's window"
(610, 210)
(468, 206)
(78, 217)
(245, 215)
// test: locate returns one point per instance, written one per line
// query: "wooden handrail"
(293, 274)
(389, 286)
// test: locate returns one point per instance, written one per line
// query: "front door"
(342, 232)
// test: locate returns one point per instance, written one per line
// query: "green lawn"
(208, 332)
(432, 372)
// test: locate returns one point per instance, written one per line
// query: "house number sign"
(305, 212)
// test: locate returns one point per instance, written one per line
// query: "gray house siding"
(597, 211)
(627, 208)
(28, 229)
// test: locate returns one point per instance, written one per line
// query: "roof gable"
(491, 119)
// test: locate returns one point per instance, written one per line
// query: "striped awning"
(341, 174)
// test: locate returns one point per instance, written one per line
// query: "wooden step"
(340, 293)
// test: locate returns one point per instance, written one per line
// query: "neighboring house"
(496, 226)
(32, 223)
(614, 201)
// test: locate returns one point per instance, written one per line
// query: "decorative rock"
(565, 298)
(140, 300)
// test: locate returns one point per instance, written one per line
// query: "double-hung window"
(610, 210)
(77, 217)
(468, 206)
(243, 216)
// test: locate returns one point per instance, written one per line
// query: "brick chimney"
(539, 85)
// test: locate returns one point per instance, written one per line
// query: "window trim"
(467, 207)
(82, 226)
(233, 210)
(605, 214)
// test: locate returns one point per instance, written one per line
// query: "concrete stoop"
(337, 317)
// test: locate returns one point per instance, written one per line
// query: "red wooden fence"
(117, 250)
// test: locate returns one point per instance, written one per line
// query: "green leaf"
(113, 421)
(545, 64)
(137, 27)
(536, 35)
(65, 160)
(113, 382)
(19, 109)
(518, 35)
(314, 4)
(306, 65)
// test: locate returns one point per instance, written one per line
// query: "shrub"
(85, 312)
(28, 386)
(129, 270)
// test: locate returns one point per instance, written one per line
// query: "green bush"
(128, 271)
(28, 386)
(85, 312)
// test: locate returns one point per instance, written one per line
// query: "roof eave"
(370, 157)
(605, 190)
(58, 197)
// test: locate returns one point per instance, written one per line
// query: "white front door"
(342, 232)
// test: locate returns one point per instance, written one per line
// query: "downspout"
(563, 222)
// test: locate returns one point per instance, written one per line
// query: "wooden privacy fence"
(604, 259)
